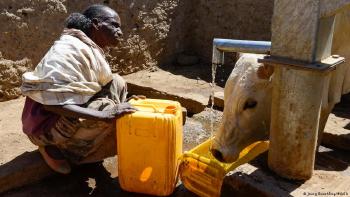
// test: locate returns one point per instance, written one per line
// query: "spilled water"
(198, 127)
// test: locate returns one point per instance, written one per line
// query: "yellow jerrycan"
(202, 174)
(149, 147)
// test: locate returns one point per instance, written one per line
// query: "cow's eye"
(250, 104)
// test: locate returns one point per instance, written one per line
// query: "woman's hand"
(119, 110)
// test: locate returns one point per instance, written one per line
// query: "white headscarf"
(71, 72)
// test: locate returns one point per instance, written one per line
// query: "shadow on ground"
(85, 180)
(342, 109)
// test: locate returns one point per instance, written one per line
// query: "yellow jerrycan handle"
(171, 109)
(249, 153)
(147, 105)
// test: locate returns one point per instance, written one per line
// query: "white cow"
(247, 97)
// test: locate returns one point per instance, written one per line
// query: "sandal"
(54, 159)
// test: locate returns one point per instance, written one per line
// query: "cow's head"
(246, 116)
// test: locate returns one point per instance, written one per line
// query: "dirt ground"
(10, 131)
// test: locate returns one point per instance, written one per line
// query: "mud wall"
(246, 20)
(155, 31)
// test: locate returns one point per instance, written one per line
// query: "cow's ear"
(265, 71)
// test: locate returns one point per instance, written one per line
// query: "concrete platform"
(218, 100)
(193, 94)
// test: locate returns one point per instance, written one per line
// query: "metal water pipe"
(220, 46)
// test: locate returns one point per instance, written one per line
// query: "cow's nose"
(217, 154)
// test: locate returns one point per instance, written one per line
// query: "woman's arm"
(77, 111)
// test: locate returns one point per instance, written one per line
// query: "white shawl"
(71, 72)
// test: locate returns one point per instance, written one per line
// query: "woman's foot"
(54, 159)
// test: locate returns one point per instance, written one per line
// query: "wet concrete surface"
(197, 128)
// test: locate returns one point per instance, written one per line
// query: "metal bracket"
(326, 65)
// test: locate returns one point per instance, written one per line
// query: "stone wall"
(155, 31)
